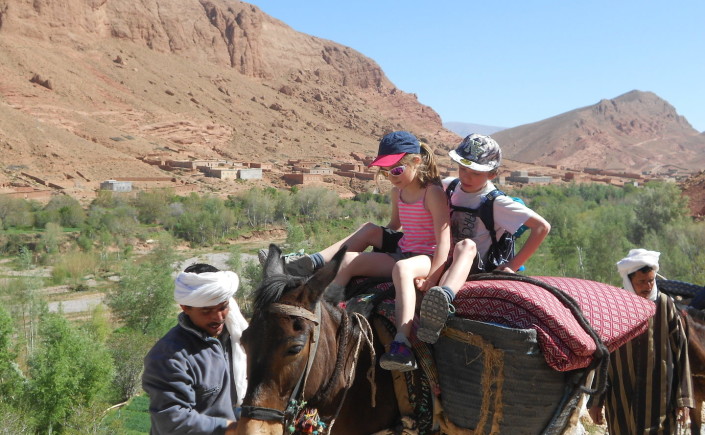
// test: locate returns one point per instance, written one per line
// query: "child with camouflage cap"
(478, 158)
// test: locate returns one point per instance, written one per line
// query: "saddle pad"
(615, 314)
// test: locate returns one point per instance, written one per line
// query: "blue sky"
(509, 63)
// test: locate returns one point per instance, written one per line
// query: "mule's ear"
(275, 262)
(318, 283)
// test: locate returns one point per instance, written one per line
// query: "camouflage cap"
(478, 152)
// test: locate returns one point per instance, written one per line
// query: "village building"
(524, 177)
(116, 186)
(234, 173)
(222, 173)
(249, 174)
(302, 178)
(315, 170)
(262, 166)
(352, 167)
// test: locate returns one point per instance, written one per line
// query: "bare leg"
(463, 256)
(367, 235)
(363, 264)
(403, 275)
(436, 303)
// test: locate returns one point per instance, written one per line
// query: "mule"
(695, 321)
(301, 347)
(683, 294)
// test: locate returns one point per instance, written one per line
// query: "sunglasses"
(396, 171)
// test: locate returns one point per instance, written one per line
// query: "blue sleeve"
(172, 398)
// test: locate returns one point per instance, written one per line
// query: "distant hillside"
(637, 131)
(463, 129)
(89, 86)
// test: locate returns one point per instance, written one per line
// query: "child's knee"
(466, 246)
(370, 231)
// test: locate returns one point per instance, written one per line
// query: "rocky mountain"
(637, 131)
(88, 86)
(463, 129)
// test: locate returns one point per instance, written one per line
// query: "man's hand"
(596, 414)
(231, 429)
(683, 416)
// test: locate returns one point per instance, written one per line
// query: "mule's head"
(278, 340)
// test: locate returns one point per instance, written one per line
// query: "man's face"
(209, 319)
(643, 282)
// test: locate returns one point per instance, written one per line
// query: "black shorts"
(390, 240)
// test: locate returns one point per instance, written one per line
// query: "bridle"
(296, 400)
(270, 414)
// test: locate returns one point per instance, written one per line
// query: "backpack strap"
(451, 188)
(487, 212)
(449, 192)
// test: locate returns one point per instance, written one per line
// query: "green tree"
(69, 370)
(128, 348)
(656, 206)
(203, 221)
(144, 298)
(51, 238)
(153, 205)
(62, 210)
(15, 212)
(11, 377)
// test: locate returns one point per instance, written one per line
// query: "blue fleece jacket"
(187, 376)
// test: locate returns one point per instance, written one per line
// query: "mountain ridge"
(90, 87)
(596, 136)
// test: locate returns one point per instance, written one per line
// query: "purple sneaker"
(400, 358)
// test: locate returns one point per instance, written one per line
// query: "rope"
(339, 365)
(366, 333)
(492, 375)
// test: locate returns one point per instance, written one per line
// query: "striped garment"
(417, 224)
(649, 377)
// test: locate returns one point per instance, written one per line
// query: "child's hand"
(423, 283)
(505, 268)
(419, 282)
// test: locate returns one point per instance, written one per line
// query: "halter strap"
(291, 310)
(270, 414)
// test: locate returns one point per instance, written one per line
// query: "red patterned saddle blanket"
(615, 314)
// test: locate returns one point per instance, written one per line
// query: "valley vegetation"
(60, 373)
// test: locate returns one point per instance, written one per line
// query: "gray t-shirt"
(509, 216)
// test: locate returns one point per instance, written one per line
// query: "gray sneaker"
(435, 308)
(294, 264)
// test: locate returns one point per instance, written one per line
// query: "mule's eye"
(294, 350)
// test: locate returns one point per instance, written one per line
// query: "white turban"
(635, 260)
(212, 288)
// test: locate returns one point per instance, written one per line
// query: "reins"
(296, 400)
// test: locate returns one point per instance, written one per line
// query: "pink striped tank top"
(417, 225)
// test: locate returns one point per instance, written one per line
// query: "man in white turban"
(649, 387)
(195, 375)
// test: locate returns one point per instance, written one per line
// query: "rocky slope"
(89, 86)
(637, 131)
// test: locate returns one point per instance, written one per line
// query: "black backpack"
(502, 250)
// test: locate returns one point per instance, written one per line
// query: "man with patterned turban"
(649, 388)
(195, 375)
